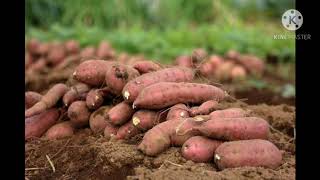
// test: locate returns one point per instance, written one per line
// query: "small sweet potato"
(120, 114)
(79, 114)
(104, 51)
(223, 71)
(204, 109)
(118, 75)
(254, 153)
(31, 98)
(176, 74)
(123, 58)
(74, 93)
(234, 128)
(173, 132)
(48, 100)
(184, 61)
(198, 55)
(229, 113)
(146, 66)
(253, 64)
(164, 94)
(37, 125)
(32, 46)
(72, 47)
(97, 121)
(178, 111)
(238, 73)
(232, 54)
(56, 55)
(60, 130)
(92, 72)
(145, 119)
(43, 49)
(88, 52)
(110, 130)
(199, 148)
(210, 66)
(96, 97)
(127, 131)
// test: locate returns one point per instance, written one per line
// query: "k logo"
(292, 19)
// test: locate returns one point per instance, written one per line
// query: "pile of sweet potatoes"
(121, 97)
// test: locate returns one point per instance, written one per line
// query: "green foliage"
(168, 43)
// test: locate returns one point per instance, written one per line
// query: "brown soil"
(89, 156)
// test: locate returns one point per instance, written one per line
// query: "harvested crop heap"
(121, 97)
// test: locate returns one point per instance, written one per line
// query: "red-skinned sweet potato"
(92, 72)
(127, 131)
(234, 128)
(48, 100)
(72, 47)
(120, 114)
(104, 51)
(198, 55)
(178, 111)
(184, 61)
(37, 125)
(118, 75)
(60, 130)
(110, 130)
(238, 73)
(31, 98)
(254, 153)
(253, 64)
(146, 66)
(135, 86)
(229, 113)
(96, 97)
(79, 114)
(199, 149)
(145, 119)
(56, 55)
(74, 93)
(164, 94)
(88, 53)
(97, 121)
(204, 109)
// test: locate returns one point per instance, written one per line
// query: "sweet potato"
(32, 46)
(145, 119)
(178, 111)
(210, 66)
(223, 71)
(164, 94)
(37, 125)
(234, 128)
(146, 66)
(56, 55)
(118, 75)
(110, 130)
(254, 153)
(39, 65)
(48, 100)
(60, 130)
(123, 58)
(96, 97)
(120, 114)
(253, 64)
(161, 136)
(238, 73)
(184, 61)
(92, 72)
(88, 52)
(205, 108)
(43, 49)
(198, 55)
(127, 131)
(74, 93)
(72, 47)
(31, 98)
(229, 113)
(79, 114)
(199, 149)
(97, 121)
(232, 54)
(177, 74)
(104, 51)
